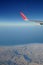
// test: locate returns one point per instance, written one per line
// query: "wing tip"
(23, 16)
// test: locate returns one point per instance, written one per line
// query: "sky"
(13, 29)
(10, 10)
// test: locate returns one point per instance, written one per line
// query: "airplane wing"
(26, 19)
(40, 22)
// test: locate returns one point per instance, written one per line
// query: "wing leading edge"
(26, 19)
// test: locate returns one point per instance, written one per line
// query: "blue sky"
(10, 10)
(13, 29)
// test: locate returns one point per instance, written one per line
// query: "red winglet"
(23, 16)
